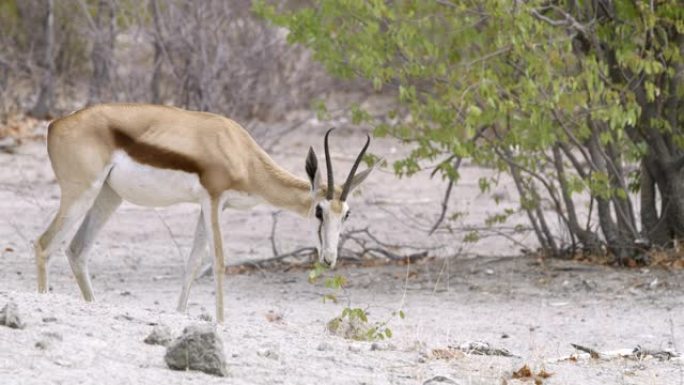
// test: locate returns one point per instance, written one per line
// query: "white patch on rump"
(151, 186)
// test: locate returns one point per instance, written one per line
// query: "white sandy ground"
(137, 264)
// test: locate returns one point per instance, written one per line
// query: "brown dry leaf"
(9, 249)
(538, 381)
(671, 259)
(544, 374)
(659, 257)
(523, 372)
(20, 127)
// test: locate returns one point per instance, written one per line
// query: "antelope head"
(330, 211)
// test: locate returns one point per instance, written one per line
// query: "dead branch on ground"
(637, 353)
(356, 247)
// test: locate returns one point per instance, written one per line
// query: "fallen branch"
(305, 254)
(362, 237)
(366, 248)
(481, 348)
(592, 353)
(662, 355)
(638, 353)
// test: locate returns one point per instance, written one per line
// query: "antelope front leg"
(211, 210)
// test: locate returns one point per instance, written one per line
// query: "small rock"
(123, 317)
(273, 316)
(49, 319)
(9, 316)
(354, 348)
(268, 353)
(199, 348)
(653, 284)
(206, 317)
(439, 380)
(53, 335)
(161, 335)
(42, 344)
(324, 347)
(47, 340)
(382, 346)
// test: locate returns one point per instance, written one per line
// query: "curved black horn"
(328, 165)
(350, 177)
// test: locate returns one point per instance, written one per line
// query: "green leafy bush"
(577, 101)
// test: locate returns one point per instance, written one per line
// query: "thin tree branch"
(274, 247)
(447, 193)
(445, 204)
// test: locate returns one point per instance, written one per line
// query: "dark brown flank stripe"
(154, 156)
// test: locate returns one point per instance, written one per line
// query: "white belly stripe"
(151, 186)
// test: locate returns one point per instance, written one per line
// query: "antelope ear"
(312, 171)
(361, 176)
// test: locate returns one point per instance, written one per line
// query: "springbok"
(157, 156)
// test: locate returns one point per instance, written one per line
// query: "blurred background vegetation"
(580, 102)
(208, 55)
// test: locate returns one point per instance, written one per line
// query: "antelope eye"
(319, 212)
(347, 215)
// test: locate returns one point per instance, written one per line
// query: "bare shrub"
(219, 57)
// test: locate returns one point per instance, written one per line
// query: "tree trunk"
(618, 241)
(103, 51)
(155, 86)
(43, 107)
(589, 240)
(654, 227)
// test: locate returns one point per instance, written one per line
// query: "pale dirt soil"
(470, 292)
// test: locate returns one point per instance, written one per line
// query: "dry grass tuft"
(525, 373)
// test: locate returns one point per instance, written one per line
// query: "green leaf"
(330, 297)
